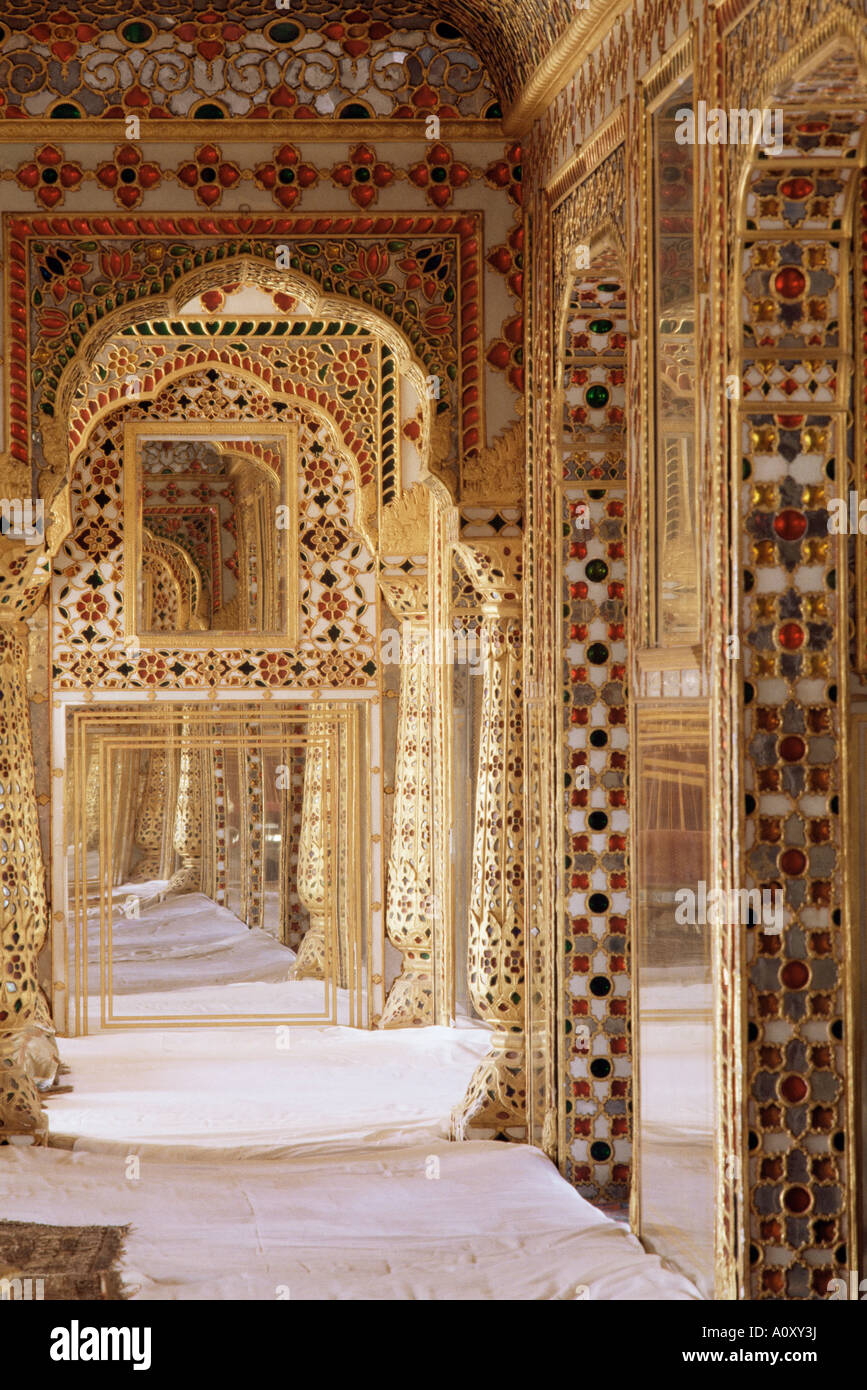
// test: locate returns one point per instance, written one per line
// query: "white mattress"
(247, 1168)
(188, 957)
(497, 1223)
(249, 1091)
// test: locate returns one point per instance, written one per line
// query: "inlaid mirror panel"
(210, 526)
(214, 867)
(676, 1117)
(676, 531)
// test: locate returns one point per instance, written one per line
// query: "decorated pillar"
(496, 1096)
(28, 1053)
(149, 826)
(312, 877)
(253, 830)
(189, 820)
(91, 800)
(410, 910)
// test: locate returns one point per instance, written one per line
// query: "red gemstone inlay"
(794, 861)
(790, 525)
(790, 282)
(791, 636)
(797, 1200)
(795, 975)
(797, 188)
(792, 748)
(793, 1089)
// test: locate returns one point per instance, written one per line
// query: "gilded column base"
(496, 1097)
(310, 960)
(410, 1002)
(187, 879)
(549, 1135)
(148, 868)
(28, 1060)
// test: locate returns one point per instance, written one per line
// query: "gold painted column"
(189, 820)
(410, 889)
(149, 827)
(91, 801)
(310, 961)
(28, 1052)
(497, 1093)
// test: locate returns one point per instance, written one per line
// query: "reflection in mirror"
(207, 860)
(677, 559)
(209, 514)
(677, 1121)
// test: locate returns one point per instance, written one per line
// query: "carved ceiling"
(511, 37)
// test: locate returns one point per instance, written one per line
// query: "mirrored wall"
(209, 522)
(215, 871)
(676, 1042)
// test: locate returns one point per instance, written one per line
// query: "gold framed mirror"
(210, 520)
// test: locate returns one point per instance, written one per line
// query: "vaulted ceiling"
(511, 37)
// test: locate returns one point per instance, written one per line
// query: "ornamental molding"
(177, 130)
(496, 474)
(495, 569)
(404, 527)
(406, 596)
(585, 33)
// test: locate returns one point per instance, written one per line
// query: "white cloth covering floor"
(188, 957)
(321, 1171)
(248, 1092)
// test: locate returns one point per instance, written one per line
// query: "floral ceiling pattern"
(221, 58)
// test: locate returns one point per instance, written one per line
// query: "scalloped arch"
(365, 520)
(247, 268)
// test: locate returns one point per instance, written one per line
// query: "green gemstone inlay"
(597, 396)
(137, 32)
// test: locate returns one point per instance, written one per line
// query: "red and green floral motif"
(129, 176)
(209, 34)
(209, 175)
(363, 175)
(507, 353)
(439, 175)
(49, 176)
(286, 177)
(506, 173)
(508, 260)
(63, 35)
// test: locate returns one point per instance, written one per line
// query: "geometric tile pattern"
(595, 736)
(795, 445)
